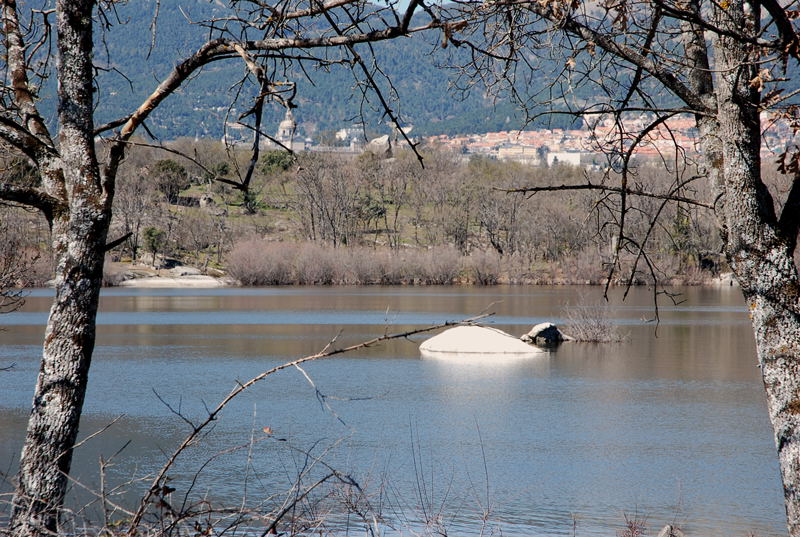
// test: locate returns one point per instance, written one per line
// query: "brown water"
(670, 425)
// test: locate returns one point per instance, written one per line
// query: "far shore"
(146, 277)
(188, 282)
(187, 277)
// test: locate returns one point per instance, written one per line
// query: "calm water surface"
(670, 425)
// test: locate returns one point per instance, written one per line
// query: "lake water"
(669, 425)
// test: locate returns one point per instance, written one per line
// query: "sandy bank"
(147, 277)
(193, 282)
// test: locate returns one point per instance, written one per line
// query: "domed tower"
(286, 129)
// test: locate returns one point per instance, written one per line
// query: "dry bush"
(584, 267)
(485, 266)
(437, 266)
(316, 265)
(366, 266)
(24, 259)
(12, 279)
(517, 269)
(392, 269)
(112, 274)
(590, 323)
(635, 526)
(256, 262)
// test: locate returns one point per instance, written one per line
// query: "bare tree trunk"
(61, 385)
(772, 301)
(762, 258)
(79, 230)
(759, 248)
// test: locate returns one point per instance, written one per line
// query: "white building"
(286, 130)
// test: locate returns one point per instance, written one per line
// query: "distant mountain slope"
(130, 68)
(423, 94)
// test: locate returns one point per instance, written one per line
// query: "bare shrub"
(584, 267)
(39, 269)
(393, 268)
(517, 269)
(438, 266)
(256, 262)
(365, 266)
(194, 236)
(25, 260)
(316, 265)
(635, 526)
(485, 266)
(591, 323)
(113, 275)
(12, 280)
(22, 264)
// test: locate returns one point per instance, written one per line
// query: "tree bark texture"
(760, 253)
(79, 230)
(61, 384)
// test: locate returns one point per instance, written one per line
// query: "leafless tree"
(443, 199)
(135, 206)
(330, 201)
(195, 234)
(725, 65)
(76, 190)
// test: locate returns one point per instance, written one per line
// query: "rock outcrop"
(477, 341)
(545, 334)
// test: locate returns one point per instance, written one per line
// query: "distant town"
(584, 147)
(588, 146)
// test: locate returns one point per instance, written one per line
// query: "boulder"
(477, 341)
(185, 270)
(546, 334)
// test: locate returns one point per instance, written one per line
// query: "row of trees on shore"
(171, 207)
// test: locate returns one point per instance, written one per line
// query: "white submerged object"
(479, 342)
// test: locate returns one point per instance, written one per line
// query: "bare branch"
(608, 43)
(32, 197)
(18, 67)
(223, 47)
(371, 80)
(116, 242)
(241, 387)
(315, 9)
(788, 36)
(606, 188)
(21, 138)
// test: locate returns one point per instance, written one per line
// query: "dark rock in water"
(545, 334)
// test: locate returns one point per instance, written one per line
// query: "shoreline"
(186, 277)
(185, 282)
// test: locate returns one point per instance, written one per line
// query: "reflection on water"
(673, 427)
